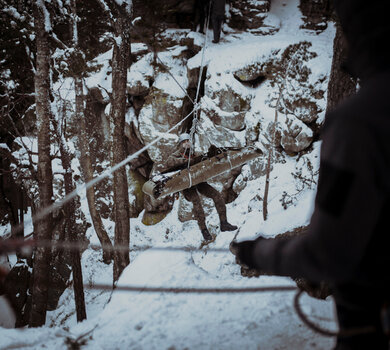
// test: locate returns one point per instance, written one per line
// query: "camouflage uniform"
(179, 160)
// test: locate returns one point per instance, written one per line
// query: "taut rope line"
(196, 102)
(57, 205)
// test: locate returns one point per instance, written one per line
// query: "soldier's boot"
(206, 234)
(225, 226)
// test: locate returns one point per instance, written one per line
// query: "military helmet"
(184, 137)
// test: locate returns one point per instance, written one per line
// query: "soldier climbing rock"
(181, 157)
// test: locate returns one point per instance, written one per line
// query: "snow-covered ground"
(157, 320)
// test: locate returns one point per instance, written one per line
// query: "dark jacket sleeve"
(348, 203)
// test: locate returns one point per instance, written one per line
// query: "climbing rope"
(203, 52)
(189, 290)
(164, 65)
(196, 103)
(26, 246)
(342, 333)
(12, 245)
(59, 204)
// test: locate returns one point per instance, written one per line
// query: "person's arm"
(172, 163)
(348, 204)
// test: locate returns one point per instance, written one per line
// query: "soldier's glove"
(213, 151)
(244, 252)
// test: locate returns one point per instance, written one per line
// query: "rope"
(57, 205)
(230, 162)
(17, 244)
(189, 290)
(26, 246)
(196, 103)
(306, 321)
(343, 333)
(203, 52)
(167, 69)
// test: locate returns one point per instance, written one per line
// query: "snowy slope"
(145, 320)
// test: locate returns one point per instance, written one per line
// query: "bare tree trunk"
(86, 165)
(42, 229)
(120, 62)
(341, 84)
(266, 187)
(269, 161)
(273, 141)
(70, 228)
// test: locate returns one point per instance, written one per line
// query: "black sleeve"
(347, 207)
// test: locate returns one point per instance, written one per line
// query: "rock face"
(296, 136)
(315, 13)
(210, 133)
(173, 13)
(162, 86)
(159, 114)
(248, 14)
(252, 16)
(228, 115)
(234, 120)
(228, 99)
(136, 196)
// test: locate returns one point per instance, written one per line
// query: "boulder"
(304, 102)
(252, 15)
(231, 120)
(296, 136)
(161, 111)
(137, 84)
(136, 196)
(140, 76)
(228, 99)
(209, 133)
(156, 210)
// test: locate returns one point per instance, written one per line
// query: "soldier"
(200, 13)
(217, 18)
(347, 242)
(180, 158)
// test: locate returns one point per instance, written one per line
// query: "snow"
(156, 320)
(46, 15)
(127, 4)
(14, 13)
